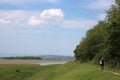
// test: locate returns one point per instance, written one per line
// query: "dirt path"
(112, 72)
(115, 73)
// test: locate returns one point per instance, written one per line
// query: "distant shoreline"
(16, 61)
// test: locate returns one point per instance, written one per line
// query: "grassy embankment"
(17, 71)
(69, 71)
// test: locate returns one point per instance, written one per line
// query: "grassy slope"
(69, 71)
(72, 71)
(17, 72)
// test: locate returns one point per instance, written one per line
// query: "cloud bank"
(3, 21)
(56, 17)
(48, 16)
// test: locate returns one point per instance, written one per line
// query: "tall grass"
(17, 72)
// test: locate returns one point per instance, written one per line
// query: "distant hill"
(23, 57)
(43, 57)
(56, 57)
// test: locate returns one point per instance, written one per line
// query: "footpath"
(112, 72)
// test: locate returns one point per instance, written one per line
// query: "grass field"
(17, 71)
(68, 71)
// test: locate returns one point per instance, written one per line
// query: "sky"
(47, 27)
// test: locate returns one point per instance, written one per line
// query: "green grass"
(72, 71)
(17, 72)
(113, 69)
(69, 71)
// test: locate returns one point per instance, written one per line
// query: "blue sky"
(44, 27)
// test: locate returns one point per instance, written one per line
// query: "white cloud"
(13, 16)
(36, 21)
(17, 16)
(49, 16)
(54, 14)
(3, 21)
(101, 4)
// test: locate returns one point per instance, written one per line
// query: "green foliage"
(117, 2)
(103, 40)
(92, 44)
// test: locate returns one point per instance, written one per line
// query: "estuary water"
(51, 63)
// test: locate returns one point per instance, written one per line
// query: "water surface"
(51, 63)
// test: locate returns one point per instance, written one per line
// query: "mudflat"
(14, 61)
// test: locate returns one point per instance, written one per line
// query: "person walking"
(102, 63)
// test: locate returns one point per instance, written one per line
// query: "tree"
(103, 40)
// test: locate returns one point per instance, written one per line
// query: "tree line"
(24, 58)
(103, 40)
